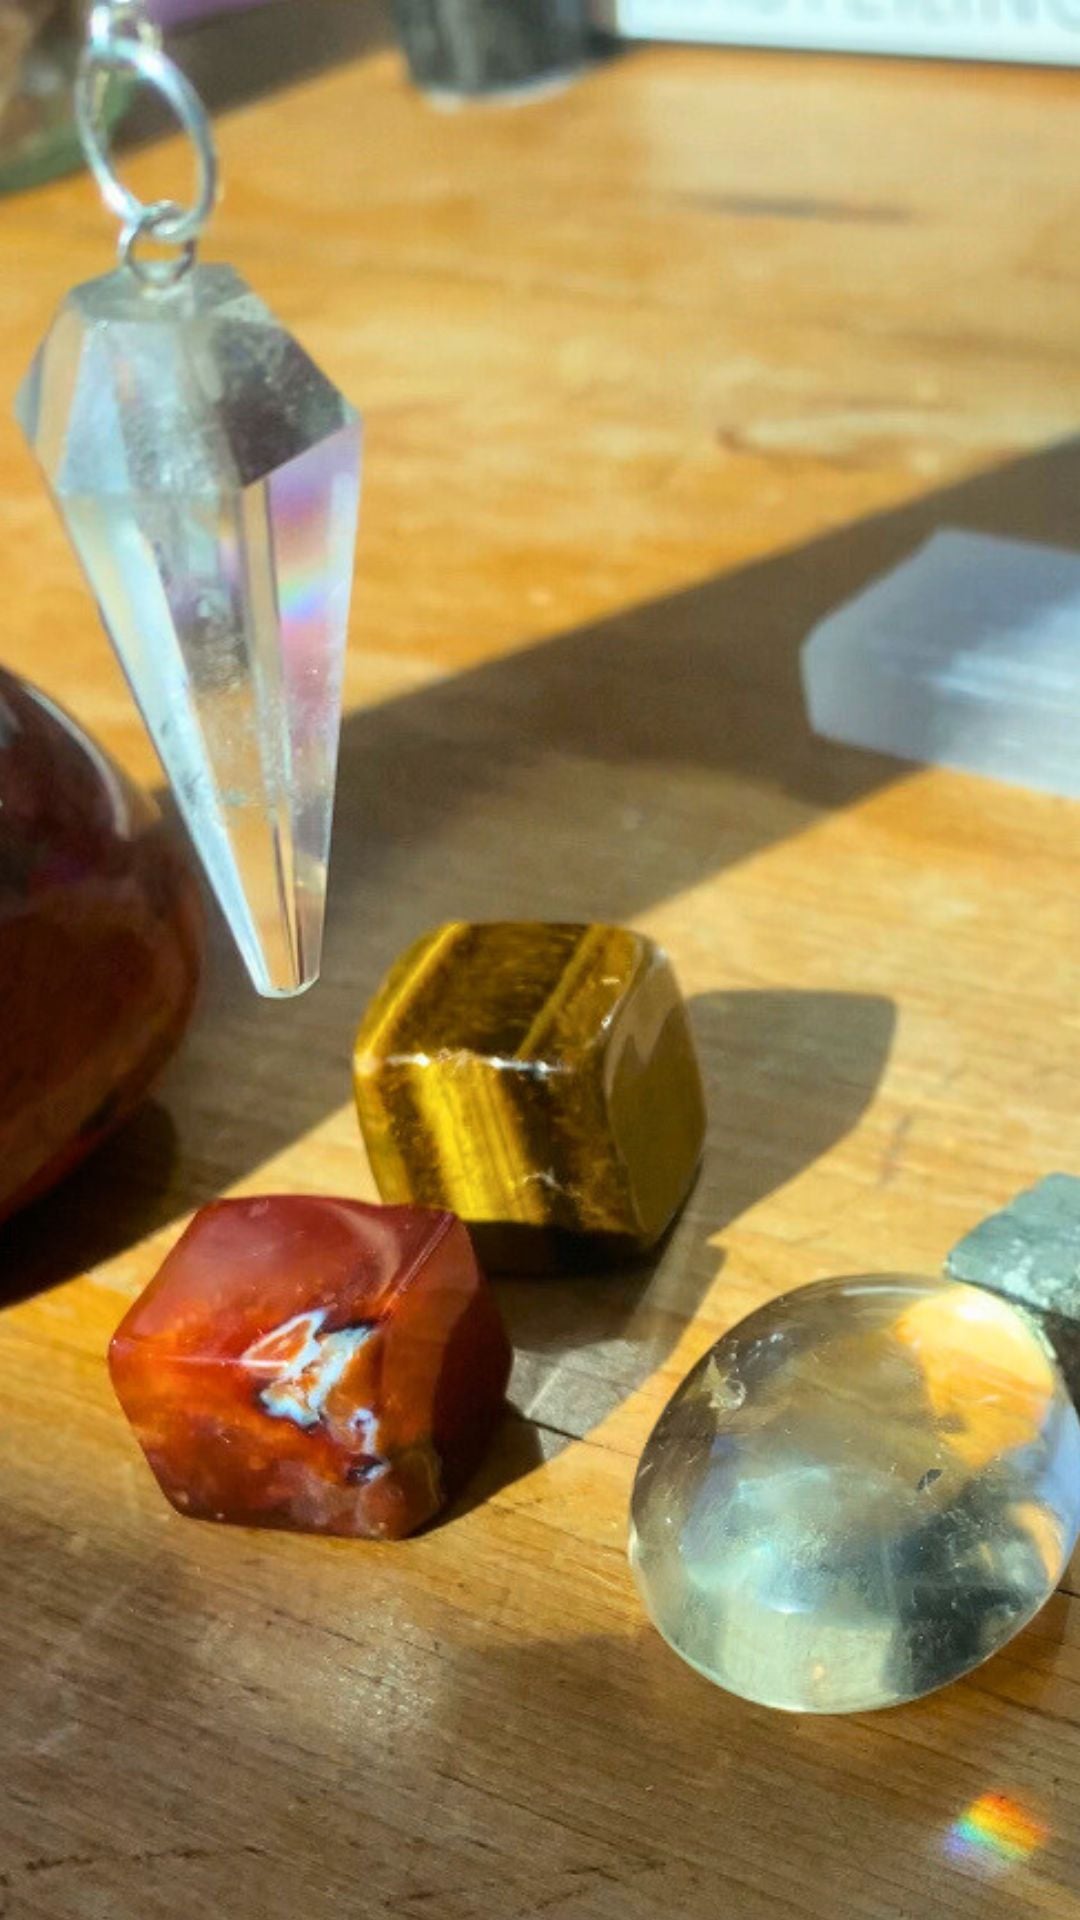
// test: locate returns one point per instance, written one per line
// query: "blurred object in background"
(19, 19)
(101, 936)
(38, 49)
(232, 50)
(176, 13)
(1034, 31)
(462, 48)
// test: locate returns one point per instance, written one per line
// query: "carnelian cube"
(315, 1364)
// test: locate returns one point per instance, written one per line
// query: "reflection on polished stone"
(862, 1491)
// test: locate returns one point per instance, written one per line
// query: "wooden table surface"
(655, 372)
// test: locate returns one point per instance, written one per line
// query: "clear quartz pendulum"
(208, 477)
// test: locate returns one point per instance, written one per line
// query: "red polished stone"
(318, 1364)
(100, 944)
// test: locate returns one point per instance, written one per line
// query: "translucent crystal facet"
(860, 1493)
(208, 475)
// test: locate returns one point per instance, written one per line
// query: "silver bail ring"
(114, 46)
(156, 219)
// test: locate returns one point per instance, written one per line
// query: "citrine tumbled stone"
(538, 1079)
(314, 1364)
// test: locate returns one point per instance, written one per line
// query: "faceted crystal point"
(863, 1490)
(208, 475)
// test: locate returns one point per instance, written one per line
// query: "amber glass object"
(100, 943)
(540, 1080)
(314, 1364)
(861, 1492)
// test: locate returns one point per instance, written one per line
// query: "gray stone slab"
(1030, 1252)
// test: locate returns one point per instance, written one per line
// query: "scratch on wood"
(815, 1235)
(49, 1863)
(607, 1876)
(754, 206)
(54, 1863)
(893, 1157)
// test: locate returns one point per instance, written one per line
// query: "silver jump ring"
(179, 225)
(158, 220)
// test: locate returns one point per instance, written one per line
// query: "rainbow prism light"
(208, 476)
(995, 1829)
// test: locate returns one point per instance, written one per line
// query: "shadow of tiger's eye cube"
(538, 1080)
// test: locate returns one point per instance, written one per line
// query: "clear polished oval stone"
(862, 1491)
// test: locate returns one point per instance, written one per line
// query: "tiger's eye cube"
(316, 1364)
(540, 1080)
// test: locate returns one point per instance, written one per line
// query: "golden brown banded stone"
(534, 1078)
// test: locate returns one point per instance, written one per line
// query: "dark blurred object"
(100, 944)
(19, 21)
(250, 51)
(470, 47)
(177, 13)
(232, 50)
(38, 48)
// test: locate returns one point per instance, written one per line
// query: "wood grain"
(655, 371)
